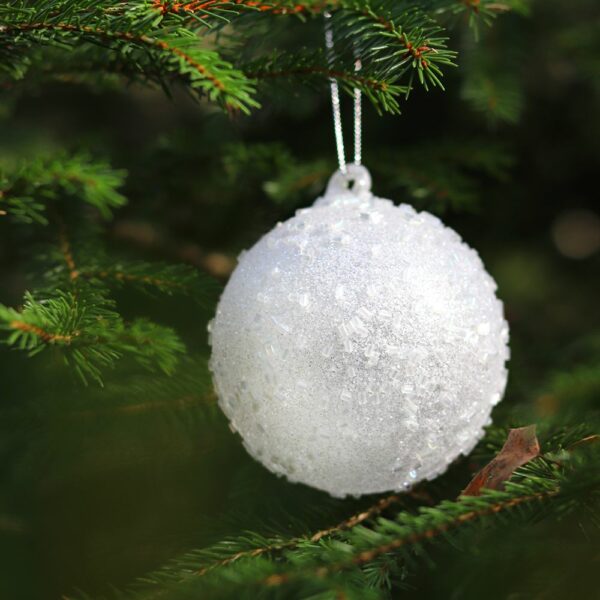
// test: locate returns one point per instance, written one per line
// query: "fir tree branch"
(497, 97)
(377, 86)
(480, 11)
(164, 278)
(423, 534)
(280, 545)
(188, 390)
(132, 35)
(155, 42)
(92, 33)
(90, 333)
(35, 330)
(405, 38)
(346, 561)
(28, 186)
(284, 178)
(440, 175)
(84, 261)
(540, 484)
(64, 245)
(395, 44)
(203, 10)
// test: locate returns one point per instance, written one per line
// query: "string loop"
(335, 103)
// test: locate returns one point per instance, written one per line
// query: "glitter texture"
(359, 347)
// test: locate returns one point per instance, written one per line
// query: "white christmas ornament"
(359, 347)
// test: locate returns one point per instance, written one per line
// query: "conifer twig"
(203, 6)
(124, 36)
(65, 248)
(381, 505)
(132, 34)
(46, 336)
(29, 187)
(90, 333)
(412, 538)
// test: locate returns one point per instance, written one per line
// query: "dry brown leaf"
(520, 447)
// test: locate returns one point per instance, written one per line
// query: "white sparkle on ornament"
(352, 370)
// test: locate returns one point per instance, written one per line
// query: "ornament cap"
(349, 186)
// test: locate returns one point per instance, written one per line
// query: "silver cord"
(335, 103)
(357, 119)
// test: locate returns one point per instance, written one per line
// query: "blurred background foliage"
(101, 485)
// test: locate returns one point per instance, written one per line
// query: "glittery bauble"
(359, 346)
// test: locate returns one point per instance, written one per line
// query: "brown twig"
(352, 521)
(125, 36)
(167, 7)
(473, 5)
(65, 247)
(369, 555)
(44, 335)
(416, 52)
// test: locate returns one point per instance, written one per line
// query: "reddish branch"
(126, 36)
(369, 555)
(374, 510)
(65, 248)
(473, 5)
(44, 335)
(416, 52)
(166, 7)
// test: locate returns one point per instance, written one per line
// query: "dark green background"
(93, 500)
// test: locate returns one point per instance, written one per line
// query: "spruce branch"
(440, 175)
(314, 68)
(396, 44)
(346, 559)
(480, 11)
(278, 545)
(165, 278)
(428, 530)
(157, 42)
(498, 97)
(405, 38)
(28, 186)
(91, 335)
(86, 262)
(184, 397)
(131, 35)
(284, 178)
(64, 245)
(361, 546)
(204, 10)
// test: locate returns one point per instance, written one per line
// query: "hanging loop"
(335, 103)
(354, 181)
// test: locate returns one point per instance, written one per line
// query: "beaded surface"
(359, 347)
